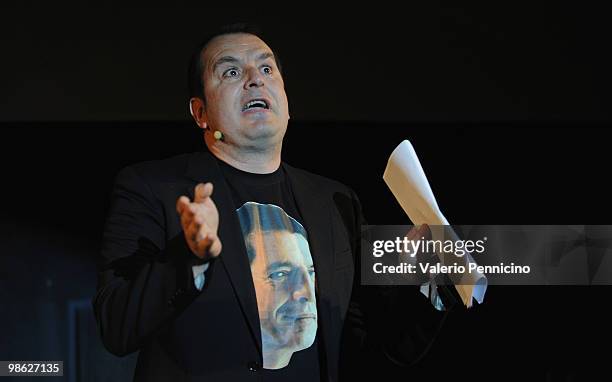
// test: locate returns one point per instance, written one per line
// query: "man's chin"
(297, 334)
(263, 133)
(305, 332)
(266, 122)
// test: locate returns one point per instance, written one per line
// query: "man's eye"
(267, 70)
(231, 73)
(276, 276)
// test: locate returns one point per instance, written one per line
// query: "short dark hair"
(196, 66)
(261, 219)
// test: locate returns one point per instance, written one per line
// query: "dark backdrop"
(507, 106)
(378, 61)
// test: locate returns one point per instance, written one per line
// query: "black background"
(378, 61)
(506, 105)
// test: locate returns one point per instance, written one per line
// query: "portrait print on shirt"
(284, 280)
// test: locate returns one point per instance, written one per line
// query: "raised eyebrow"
(225, 60)
(265, 56)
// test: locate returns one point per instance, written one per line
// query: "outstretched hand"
(200, 222)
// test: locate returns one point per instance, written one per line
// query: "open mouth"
(256, 104)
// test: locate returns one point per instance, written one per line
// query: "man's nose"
(254, 78)
(304, 287)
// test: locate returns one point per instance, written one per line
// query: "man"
(284, 279)
(178, 281)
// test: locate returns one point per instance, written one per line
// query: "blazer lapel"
(204, 168)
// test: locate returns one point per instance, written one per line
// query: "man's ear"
(198, 111)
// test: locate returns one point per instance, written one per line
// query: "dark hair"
(261, 219)
(196, 66)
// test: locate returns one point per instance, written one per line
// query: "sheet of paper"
(406, 179)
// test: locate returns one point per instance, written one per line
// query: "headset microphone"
(218, 135)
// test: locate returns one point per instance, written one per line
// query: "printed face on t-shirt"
(284, 279)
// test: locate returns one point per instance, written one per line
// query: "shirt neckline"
(249, 177)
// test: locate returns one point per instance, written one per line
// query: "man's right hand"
(200, 221)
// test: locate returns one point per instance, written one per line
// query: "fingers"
(215, 248)
(208, 244)
(181, 204)
(424, 231)
(417, 232)
(199, 220)
(413, 233)
(202, 191)
(201, 238)
(187, 215)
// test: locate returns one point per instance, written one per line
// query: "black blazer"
(146, 298)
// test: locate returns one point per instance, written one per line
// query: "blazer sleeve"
(398, 322)
(144, 280)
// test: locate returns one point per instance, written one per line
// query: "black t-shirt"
(265, 202)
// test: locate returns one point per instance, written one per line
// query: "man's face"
(284, 280)
(239, 69)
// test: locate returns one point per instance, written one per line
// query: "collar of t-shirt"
(233, 175)
(271, 188)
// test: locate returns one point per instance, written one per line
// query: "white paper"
(407, 181)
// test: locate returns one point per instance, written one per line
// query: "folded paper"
(406, 179)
